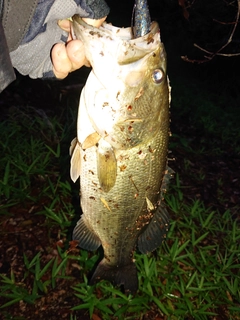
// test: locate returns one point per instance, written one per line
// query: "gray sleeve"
(32, 57)
(7, 74)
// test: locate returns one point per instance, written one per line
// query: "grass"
(194, 275)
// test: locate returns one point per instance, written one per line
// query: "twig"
(211, 55)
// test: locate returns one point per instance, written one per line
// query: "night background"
(42, 273)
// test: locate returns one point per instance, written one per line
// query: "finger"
(76, 54)
(65, 24)
(94, 22)
(60, 60)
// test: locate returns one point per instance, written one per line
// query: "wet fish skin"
(121, 148)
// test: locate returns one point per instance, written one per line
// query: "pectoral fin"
(156, 231)
(106, 165)
(91, 140)
(75, 165)
(86, 237)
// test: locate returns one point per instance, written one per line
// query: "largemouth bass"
(121, 148)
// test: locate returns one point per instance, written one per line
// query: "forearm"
(7, 74)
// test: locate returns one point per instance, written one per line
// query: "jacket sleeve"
(7, 74)
(32, 57)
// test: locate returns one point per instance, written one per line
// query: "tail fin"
(124, 275)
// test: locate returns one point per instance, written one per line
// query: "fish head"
(127, 90)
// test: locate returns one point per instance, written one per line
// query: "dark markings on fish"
(123, 157)
(150, 38)
(90, 171)
(122, 167)
(92, 33)
(130, 129)
(92, 198)
(129, 108)
(150, 149)
(85, 158)
(143, 220)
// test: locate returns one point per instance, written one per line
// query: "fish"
(121, 149)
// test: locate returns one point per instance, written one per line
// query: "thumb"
(65, 25)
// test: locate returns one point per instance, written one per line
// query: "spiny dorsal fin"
(106, 165)
(156, 231)
(87, 239)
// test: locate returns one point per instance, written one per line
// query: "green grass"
(194, 275)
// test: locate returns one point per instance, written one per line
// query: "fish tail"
(125, 276)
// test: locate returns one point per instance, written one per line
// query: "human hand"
(70, 56)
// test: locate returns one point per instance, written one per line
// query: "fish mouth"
(127, 48)
(109, 30)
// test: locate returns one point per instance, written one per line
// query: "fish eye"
(158, 76)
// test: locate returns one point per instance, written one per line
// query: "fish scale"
(125, 199)
(121, 148)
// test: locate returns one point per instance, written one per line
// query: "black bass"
(121, 148)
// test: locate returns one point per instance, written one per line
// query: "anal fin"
(156, 231)
(86, 238)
